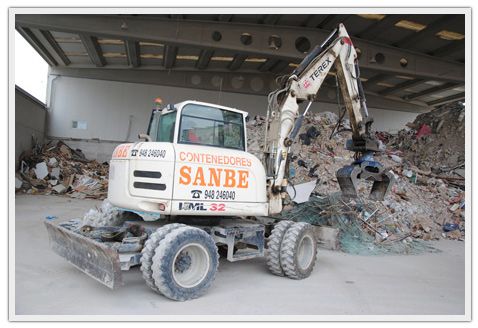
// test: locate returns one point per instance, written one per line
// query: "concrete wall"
(116, 111)
(30, 120)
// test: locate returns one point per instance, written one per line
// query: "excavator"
(189, 190)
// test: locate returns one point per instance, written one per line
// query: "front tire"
(274, 247)
(298, 251)
(185, 263)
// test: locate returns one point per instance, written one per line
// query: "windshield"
(162, 126)
(211, 126)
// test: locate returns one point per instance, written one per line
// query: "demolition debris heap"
(56, 168)
(427, 199)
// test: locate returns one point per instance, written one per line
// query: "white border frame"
(239, 10)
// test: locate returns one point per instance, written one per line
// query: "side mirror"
(145, 137)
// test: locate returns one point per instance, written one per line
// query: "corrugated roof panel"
(72, 47)
(80, 60)
(428, 44)
(63, 37)
(151, 49)
(116, 59)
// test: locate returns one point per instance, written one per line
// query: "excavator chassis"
(104, 261)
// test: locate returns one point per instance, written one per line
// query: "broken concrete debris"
(426, 187)
(59, 189)
(55, 168)
(55, 172)
(52, 162)
(41, 170)
(18, 183)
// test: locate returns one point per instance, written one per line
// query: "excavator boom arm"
(303, 85)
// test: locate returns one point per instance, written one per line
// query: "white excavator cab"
(195, 163)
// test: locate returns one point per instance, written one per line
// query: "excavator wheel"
(274, 247)
(149, 249)
(185, 263)
(298, 251)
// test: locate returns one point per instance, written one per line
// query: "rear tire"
(274, 247)
(185, 263)
(298, 251)
(148, 251)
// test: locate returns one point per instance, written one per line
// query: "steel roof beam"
(237, 62)
(378, 27)
(400, 86)
(267, 65)
(93, 49)
(314, 20)
(430, 91)
(199, 34)
(279, 67)
(271, 19)
(273, 65)
(331, 21)
(37, 45)
(133, 53)
(169, 56)
(449, 99)
(427, 32)
(375, 79)
(186, 79)
(449, 49)
(204, 58)
(54, 48)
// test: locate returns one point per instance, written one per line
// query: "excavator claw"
(347, 177)
(365, 169)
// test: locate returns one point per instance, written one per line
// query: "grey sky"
(31, 71)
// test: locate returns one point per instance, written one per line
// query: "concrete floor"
(340, 284)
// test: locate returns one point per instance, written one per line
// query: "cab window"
(162, 126)
(210, 126)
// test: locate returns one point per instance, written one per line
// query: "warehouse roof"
(408, 62)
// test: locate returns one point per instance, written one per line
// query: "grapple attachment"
(349, 175)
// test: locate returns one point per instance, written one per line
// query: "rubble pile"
(435, 141)
(364, 227)
(423, 203)
(55, 168)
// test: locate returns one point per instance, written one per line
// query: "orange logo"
(213, 177)
(121, 151)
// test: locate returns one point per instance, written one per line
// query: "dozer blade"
(93, 258)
